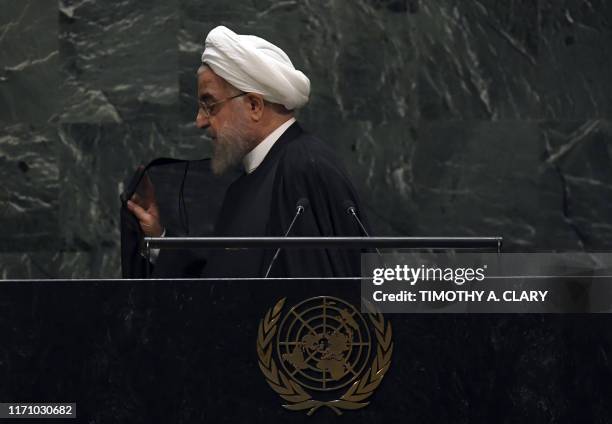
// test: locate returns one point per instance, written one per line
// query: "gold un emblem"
(324, 347)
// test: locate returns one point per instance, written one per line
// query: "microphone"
(350, 209)
(300, 207)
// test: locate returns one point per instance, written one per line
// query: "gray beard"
(230, 147)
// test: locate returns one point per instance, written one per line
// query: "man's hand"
(144, 207)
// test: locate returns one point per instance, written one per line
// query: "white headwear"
(254, 65)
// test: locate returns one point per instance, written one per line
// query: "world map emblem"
(323, 352)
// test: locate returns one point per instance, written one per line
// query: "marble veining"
(453, 117)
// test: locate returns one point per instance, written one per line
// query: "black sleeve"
(133, 265)
(319, 177)
(179, 263)
(171, 263)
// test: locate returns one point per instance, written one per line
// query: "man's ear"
(256, 106)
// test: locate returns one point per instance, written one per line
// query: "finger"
(136, 199)
(139, 212)
(142, 202)
(149, 223)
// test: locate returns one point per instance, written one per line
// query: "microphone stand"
(298, 212)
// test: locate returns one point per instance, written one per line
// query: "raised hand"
(144, 207)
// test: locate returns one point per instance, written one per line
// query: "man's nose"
(202, 120)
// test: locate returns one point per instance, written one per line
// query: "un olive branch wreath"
(293, 393)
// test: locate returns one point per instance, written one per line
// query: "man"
(248, 91)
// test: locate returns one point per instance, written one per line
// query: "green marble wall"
(455, 118)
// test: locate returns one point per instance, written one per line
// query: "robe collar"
(256, 156)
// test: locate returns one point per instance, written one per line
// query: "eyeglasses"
(208, 108)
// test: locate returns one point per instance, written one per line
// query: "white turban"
(254, 65)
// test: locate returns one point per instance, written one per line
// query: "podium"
(197, 350)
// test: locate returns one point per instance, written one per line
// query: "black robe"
(264, 202)
(259, 204)
(189, 197)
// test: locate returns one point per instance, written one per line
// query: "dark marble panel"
(102, 260)
(29, 77)
(579, 157)
(477, 59)
(26, 265)
(539, 185)
(576, 59)
(383, 174)
(475, 178)
(402, 89)
(119, 60)
(95, 161)
(29, 188)
(61, 264)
